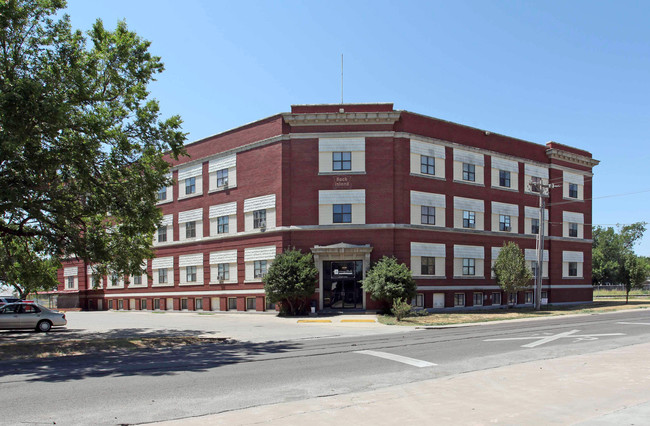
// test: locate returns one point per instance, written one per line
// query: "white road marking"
(403, 359)
(635, 323)
(546, 339)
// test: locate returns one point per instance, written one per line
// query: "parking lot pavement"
(242, 327)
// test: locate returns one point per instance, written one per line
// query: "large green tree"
(510, 269)
(613, 258)
(291, 280)
(81, 144)
(387, 280)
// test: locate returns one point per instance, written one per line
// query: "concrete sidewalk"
(609, 387)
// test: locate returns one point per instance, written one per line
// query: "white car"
(30, 315)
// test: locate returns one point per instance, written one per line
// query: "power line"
(598, 198)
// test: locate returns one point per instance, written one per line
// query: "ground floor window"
(528, 297)
(110, 304)
(459, 299)
(143, 304)
(496, 298)
(156, 304)
(512, 298)
(478, 299)
(418, 301)
(250, 303)
(120, 304)
(232, 303)
(198, 304)
(269, 306)
(184, 304)
(544, 297)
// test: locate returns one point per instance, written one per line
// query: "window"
(528, 297)
(137, 280)
(190, 185)
(259, 268)
(535, 184)
(114, 280)
(459, 299)
(156, 304)
(469, 172)
(96, 281)
(269, 306)
(232, 303)
(478, 299)
(512, 298)
(418, 301)
(496, 298)
(110, 304)
(70, 282)
(223, 271)
(250, 303)
(573, 229)
(143, 304)
(428, 265)
(573, 269)
(190, 229)
(259, 219)
(120, 304)
(469, 219)
(545, 296)
(222, 177)
(162, 234)
(222, 225)
(534, 226)
(468, 267)
(162, 275)
(198, 304)
(428, 215)
(427, 165)
(190, 274)
(162, 193)
(573, 190)
(535, 268)
(342, 213)
(341, 161)
(184, 304)
(504, 222)
(504, 178)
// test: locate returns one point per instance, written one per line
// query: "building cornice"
(570, 157)
(341, 118)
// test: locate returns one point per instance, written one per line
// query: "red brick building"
(351, 183)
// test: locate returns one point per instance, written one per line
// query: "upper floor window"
(190, 229)
(573, 229)
(223, 271)
(504, 223)
(342, 213)
(341, 161)
(573, 269)
(137, 280)
(70, 282)
(222, 177)
(162, 234)
(428, 265)
(469, 267)
(259, 268)
(469, 219)
(162, 275)
(573, 190)
(534, 226)
(504, 178)
(222, 225)
(190, 185)
(427, 165)
(162, 193)
(469, 172)
(428, 215)
(259, 219)
(114, 280)
(190, 274)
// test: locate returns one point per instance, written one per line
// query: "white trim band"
(221, 163)
(428, 149)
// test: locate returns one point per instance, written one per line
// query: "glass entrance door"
(342, 284)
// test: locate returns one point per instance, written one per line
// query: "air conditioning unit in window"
(263, 225)
(221, 280)
(507, 228)
(225, 183)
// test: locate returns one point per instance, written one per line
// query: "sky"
(575, 72)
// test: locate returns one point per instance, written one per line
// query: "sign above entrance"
(342, 181)
(342, 270)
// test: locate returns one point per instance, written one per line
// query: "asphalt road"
(154, 385)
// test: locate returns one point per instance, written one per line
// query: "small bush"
(401, 308)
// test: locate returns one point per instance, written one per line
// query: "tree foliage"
(510, 269)
(388, 280)
(613, 258)
(81, 143)
(291, 280)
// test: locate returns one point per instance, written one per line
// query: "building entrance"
(342, 284)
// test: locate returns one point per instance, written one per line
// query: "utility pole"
(543, 189)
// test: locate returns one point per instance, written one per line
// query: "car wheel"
(44, 326)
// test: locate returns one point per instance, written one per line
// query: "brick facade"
(283, 156)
